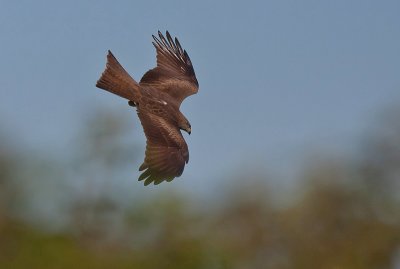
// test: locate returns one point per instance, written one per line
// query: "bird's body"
(157, 98)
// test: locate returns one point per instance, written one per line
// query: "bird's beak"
(189, 131)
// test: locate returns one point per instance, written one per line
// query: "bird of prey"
(157, 98)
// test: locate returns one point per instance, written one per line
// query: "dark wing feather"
(166, 150)
(174, 73)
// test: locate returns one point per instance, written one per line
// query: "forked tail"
(116, 80)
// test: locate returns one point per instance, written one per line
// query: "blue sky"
(278, 79)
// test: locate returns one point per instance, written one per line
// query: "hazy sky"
(277, 78)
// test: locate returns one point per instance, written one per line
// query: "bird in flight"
(157, 98)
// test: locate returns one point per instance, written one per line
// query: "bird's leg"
(132, 104)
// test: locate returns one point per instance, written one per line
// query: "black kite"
(157, 98)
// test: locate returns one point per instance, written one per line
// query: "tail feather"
(116, 80)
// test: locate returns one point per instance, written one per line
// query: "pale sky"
(278, 79)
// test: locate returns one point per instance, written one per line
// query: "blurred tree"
(334, 226)
(344, 214)
(379, 164)
(103, 150)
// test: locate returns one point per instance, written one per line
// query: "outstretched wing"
(174, 73)
(166, 150)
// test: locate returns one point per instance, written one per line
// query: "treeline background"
(68, 209)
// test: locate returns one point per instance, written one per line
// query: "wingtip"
(158, 181)
(169, 179)
(147, 182)
(142, 167)
(145, 175)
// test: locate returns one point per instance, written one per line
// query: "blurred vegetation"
(66, 213)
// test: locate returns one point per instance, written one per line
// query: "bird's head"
(186, 127)
(184, 124)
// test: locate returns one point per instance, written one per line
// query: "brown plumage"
(157, 98)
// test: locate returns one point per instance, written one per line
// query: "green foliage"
(342, 217)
